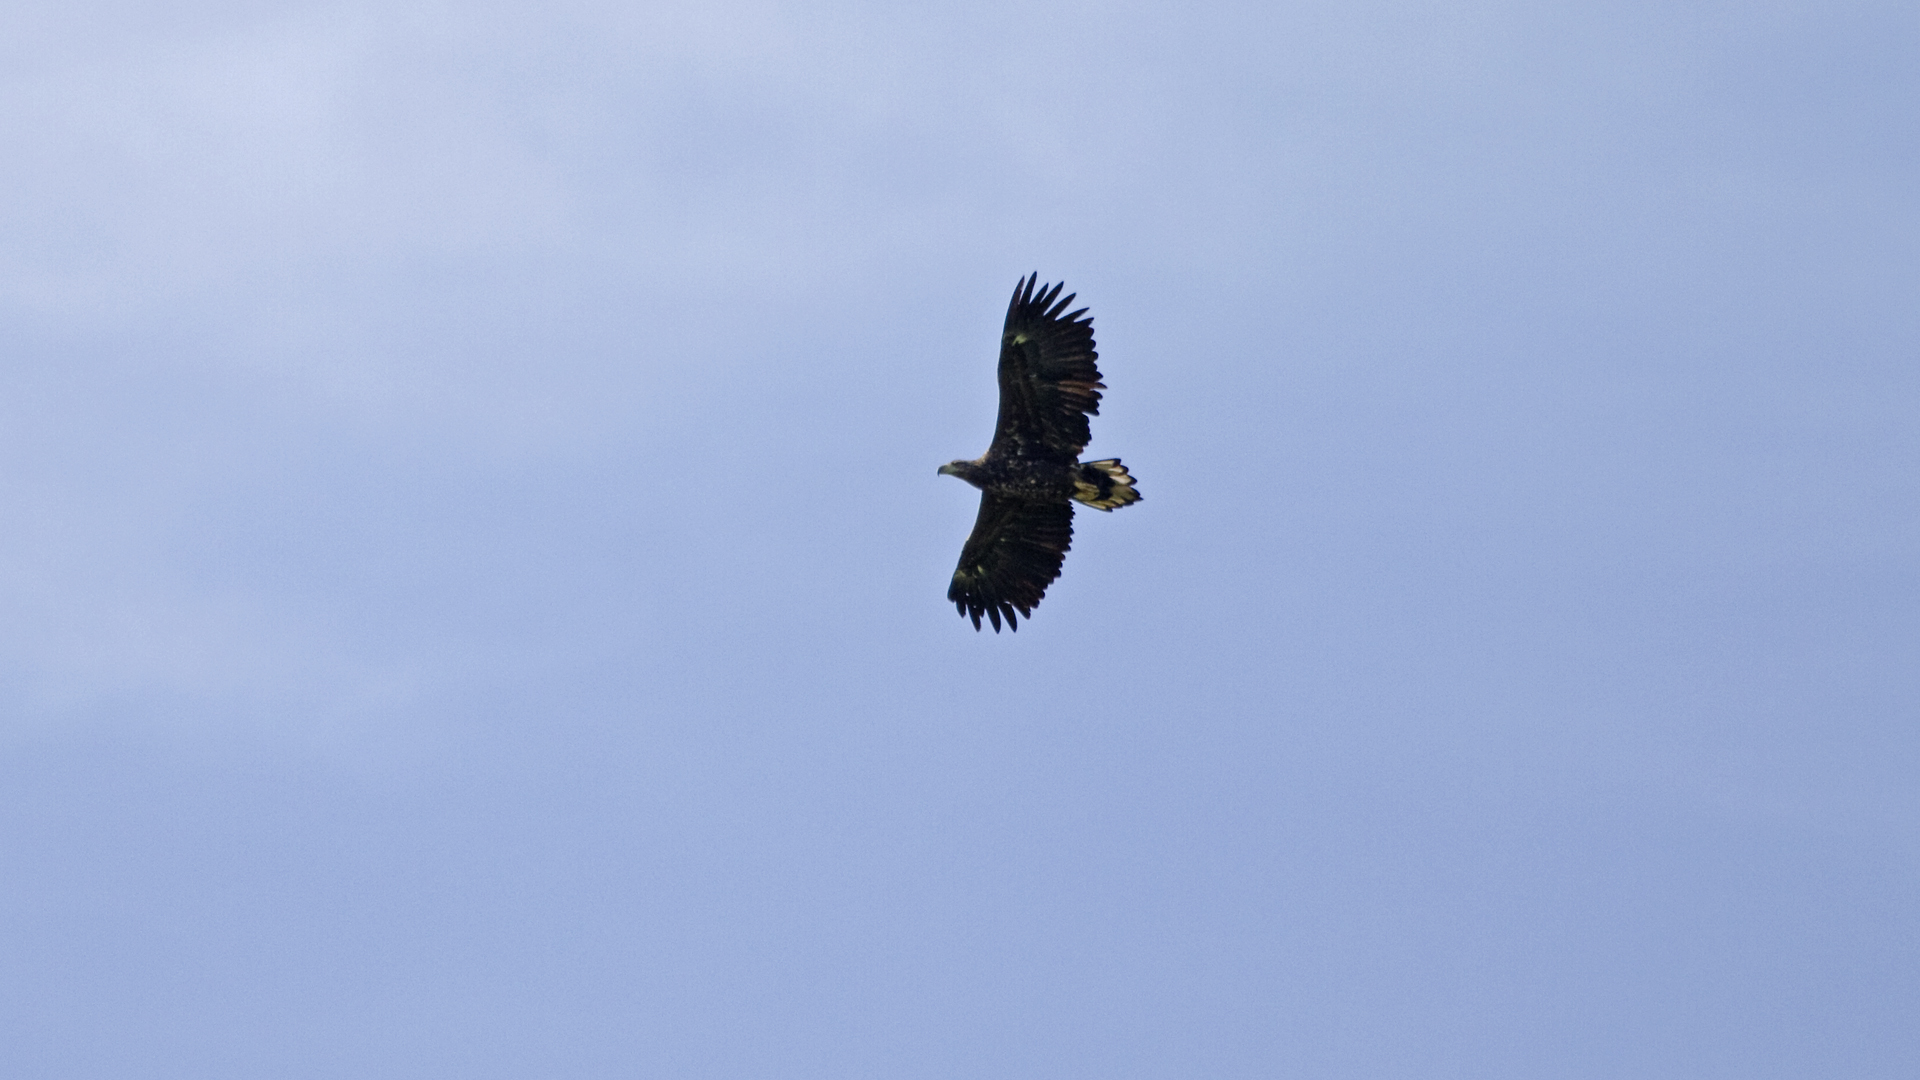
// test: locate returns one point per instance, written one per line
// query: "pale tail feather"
(1104, 485)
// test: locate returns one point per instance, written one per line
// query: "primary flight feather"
(1031, 475)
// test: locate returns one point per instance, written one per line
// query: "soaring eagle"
(1032, 474)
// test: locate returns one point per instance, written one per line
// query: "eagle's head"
(965, 470)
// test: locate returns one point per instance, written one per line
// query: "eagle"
(1031, 474)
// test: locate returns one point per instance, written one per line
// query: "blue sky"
(475, 571)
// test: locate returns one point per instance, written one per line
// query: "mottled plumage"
(1032, 474)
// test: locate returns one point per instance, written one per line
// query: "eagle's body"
(1032, 474)
(1032, 479)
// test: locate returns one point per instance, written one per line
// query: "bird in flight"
(1031, 475)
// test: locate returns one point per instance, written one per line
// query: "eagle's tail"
(1104, 485)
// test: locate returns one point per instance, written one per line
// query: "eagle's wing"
(1014, 553)
(1048, 382)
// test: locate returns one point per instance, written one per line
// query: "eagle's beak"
(944, 470)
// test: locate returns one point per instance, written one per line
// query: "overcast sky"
(474, 571)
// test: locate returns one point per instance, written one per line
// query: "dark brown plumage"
(1032, 474)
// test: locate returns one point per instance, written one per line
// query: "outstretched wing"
(1014, 553)
(1049, 383)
